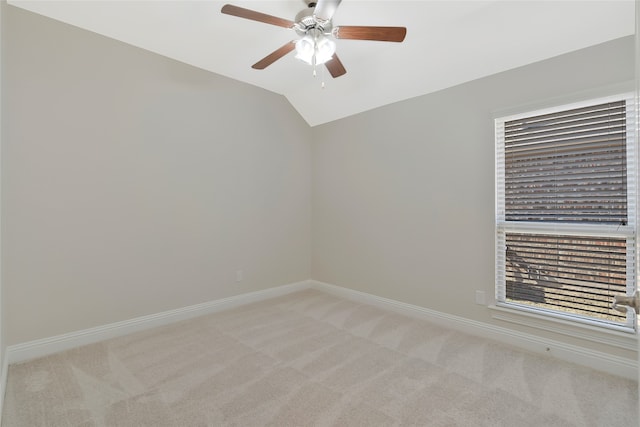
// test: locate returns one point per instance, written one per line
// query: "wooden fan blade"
(383, 34)
(241, 12)
(274, 56)
(335, 67)
(325, 9)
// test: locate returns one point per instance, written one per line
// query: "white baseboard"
(600, 361)
(590, 358)
(44, 347)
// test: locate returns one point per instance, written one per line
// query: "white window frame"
(591, 230)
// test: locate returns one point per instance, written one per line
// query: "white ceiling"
(448, 42)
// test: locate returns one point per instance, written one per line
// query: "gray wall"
(403, 196)
(3, 323)
(134, 184)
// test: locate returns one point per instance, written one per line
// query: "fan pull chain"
(314, 61)
(315, 51)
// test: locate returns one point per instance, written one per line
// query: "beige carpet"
(310, 359)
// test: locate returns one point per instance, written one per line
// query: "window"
(566, 184)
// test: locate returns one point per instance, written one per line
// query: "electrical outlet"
(480, 299)
(239, 275)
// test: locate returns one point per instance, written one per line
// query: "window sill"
(623, 338)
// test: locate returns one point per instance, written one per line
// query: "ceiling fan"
(315, 28)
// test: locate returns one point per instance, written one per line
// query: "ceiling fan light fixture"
(315, 46)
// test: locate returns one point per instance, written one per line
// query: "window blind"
(566, 207)
(568, 166)
(573, 274)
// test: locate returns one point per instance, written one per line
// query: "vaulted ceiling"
(447, 43)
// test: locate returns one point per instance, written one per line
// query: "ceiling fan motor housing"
(306, 20)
